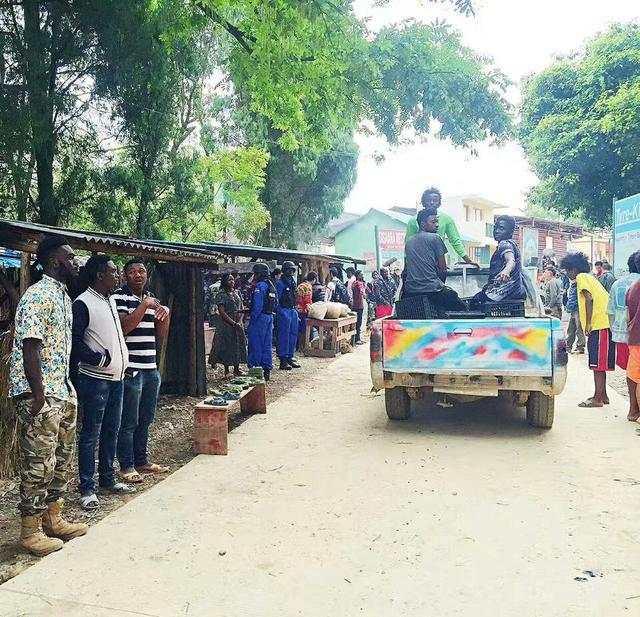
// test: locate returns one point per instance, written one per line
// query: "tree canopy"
(194, 119)
(579, 127)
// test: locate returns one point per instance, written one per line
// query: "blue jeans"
(101, 403)
(138, 410)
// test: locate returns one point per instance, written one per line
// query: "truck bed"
(506, 346)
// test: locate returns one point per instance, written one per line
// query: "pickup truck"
(523, 359)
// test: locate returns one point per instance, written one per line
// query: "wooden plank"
(254, 400)
(211, 430)
(211, 423)
(25, 272)
(162, 361)
(193, 329)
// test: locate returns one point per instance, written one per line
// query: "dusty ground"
(324, 507)
(170, 444)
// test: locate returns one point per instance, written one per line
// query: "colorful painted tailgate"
(478, 347)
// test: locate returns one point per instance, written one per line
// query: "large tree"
(579, 129)
(47, 58)
(312, 74)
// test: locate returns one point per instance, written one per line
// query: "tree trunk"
(41, 76)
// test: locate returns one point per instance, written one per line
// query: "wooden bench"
(338, 330)
(211, 428)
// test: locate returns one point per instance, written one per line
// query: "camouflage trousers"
(47, 446)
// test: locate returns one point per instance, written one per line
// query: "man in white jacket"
(100, 352)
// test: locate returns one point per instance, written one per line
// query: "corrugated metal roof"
(265, 252)
(25, 236)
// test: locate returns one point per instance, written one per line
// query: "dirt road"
(325, 508)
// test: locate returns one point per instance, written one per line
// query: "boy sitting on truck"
(426, 267)
(592, 306)
(505, 270)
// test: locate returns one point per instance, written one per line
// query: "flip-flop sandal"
(152, 468)
(589, 403)
(89, 502)
(119, 488)
(131, 477)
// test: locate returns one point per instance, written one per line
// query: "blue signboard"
(626, 232)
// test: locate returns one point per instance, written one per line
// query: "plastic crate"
(417, 307)
(504, 309)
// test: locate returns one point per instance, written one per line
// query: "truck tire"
(397, 403)
(540, 410)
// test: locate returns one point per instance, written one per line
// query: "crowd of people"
(248, 312)
(604, 317)
(96, 354)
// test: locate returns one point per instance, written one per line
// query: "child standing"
(592, 306)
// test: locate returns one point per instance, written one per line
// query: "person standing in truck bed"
(447, 229)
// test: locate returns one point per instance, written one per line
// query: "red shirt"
(359, 291)
(632, 300)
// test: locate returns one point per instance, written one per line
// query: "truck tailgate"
(470, 347)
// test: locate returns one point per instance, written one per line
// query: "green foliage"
(579, 127)
(304, 193)
(45, 57)
(312, 69)
(216, 195)
(422, 74)
(207, 119)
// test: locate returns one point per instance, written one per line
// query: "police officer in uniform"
(287, 317)
(260, 331)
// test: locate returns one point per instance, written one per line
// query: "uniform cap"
(261, 269)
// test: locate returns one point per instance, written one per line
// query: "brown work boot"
(32, 538)
(56, 527)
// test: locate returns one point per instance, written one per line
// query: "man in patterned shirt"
(45, 400)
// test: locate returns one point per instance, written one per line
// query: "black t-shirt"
(422, 263)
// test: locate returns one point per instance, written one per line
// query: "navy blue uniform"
(260, 331)
(287, 317)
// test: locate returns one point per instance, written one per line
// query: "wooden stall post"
(25, 272)
(193, 332)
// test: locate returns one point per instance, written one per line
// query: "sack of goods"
(345, 310)
(318, 310)
(334, 310)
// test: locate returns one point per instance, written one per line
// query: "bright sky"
(523, 36)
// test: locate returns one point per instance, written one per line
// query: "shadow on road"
(487, 418)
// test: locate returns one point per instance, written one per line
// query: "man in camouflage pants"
(45, 400)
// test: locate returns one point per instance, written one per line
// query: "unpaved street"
(324, 508)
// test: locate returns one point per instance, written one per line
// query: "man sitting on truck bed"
(426, 267)
(505, 270)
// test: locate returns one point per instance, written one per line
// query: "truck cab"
(522, 358)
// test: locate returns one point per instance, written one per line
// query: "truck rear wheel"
(397, 403)
(540, 410)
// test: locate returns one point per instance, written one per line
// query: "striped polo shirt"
(141, 341)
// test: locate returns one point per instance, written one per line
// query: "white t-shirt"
(350, 283)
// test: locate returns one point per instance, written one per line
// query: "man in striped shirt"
(142, 318)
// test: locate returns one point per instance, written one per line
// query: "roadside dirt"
(170, 444)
